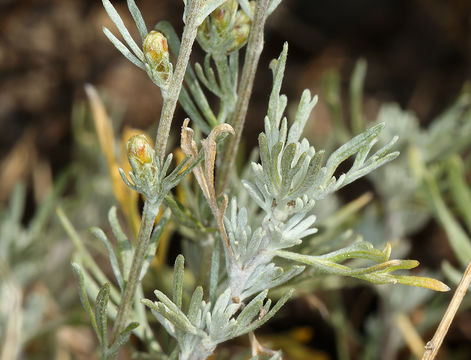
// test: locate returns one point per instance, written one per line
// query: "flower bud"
(222, 16)
(141, 155)
(240, 32)
(225, 30)
(157, 57)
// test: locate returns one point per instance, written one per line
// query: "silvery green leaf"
(262, 320)
(177, 318)
(165, 301)
(192, 111)
(122, 339)
(84, 297)
(100, 235)
(165, 167)
(254, 193)
(312, 173)
(195, 304)
(222, 302)
(126, 180)
(114, 16)
(124, 246)
(356, 96)
(101, 314)
(250, 311)
(459, 188)
(182, 214)
(272, 279)
(459, 239)
(12, 225)
(207, 8)
(178, 280)
(245, 5)
(351, 148)
(137, 16)
(181, 171)
(208, 77)
(276, 104)
(306, 104)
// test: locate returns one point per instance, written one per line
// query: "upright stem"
(148, 217)
(252, 56)
(173, 92)
(432, 347)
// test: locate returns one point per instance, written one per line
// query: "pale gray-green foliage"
(154, 183)
(447, 134)
(291, 176)
(23, 249)
(400, 185)
(199, 330)
(93, 282)
(288, 181)
(132, 51)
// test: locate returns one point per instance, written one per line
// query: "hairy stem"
(171, 95)
(252, 56)
(148, 217)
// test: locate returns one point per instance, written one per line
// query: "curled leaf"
(205, 177)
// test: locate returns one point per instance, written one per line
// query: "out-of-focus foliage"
(410, 191)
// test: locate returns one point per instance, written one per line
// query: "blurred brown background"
(418, 53)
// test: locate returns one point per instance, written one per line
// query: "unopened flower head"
(223, 16)
(141, 155)
(225, 30)
(240, 31)
(157, 57)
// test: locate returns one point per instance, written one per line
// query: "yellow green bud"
(141, 155)
(157, 57)
(240, 32)
(222, 16)
(225, 30)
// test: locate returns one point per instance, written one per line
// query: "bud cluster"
(225, 30)
(158, 65)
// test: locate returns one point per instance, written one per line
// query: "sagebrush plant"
(240, 246)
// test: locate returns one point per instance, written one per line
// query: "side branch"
(252, 56)
(171, 96)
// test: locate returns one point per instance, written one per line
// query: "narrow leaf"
(100, 235)
(137, 16)
(123, 49)
(114, 16)
(101, 314)
(84, 297)
(122, 339)
(178, 280)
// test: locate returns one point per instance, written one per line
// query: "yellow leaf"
(127, 198)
